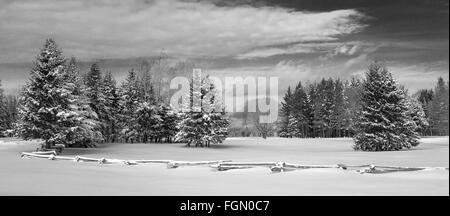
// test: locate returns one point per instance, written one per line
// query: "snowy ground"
(44, 177)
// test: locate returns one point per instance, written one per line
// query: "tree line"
(8, 112)
(61, 105)
(321, 109)
(435, 103)
(331, 108)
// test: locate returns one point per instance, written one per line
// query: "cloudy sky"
(295, 40)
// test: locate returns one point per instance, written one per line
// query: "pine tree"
(285, 114)
(169, 123)
(130, 99)
(384, 124)
(96, 97)
(41, 98)
(83, 127)
(293, 126)
(328, 106)
(323, 106)
(309, 115)
(112, 107)
(417, 114)
(338, 110)
(315, 97)
(48, 108)
(299, 118)
(205, 124)
(148, 122)
(352, 93)
(439, 109)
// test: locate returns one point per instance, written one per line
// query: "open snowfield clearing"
(44, 177)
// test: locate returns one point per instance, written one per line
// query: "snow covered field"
(44, 177)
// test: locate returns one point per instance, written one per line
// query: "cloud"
(416, 76)
(289, 72)
(122, 29)
(364, 56)
(419, 76)
(331, 49)
(299, 48)
(357, 60)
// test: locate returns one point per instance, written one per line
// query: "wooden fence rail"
(224, 165)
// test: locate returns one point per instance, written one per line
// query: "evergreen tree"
(83, 127)
(337, 117)
(41, 99)
(352, 104)
(328, 106)
(112, 107)
(148, 122)
(416, 113)
(315, 97)
(323, 107)
(299, 106)
(205, 124)
(285, 114)
(293, 126)
(96, 97)
(439, 109)
(130, 99)
(384, 123)
(48, 108)
(169, 123)
(308, 112)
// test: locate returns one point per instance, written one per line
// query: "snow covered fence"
(176, 164)
(224, 165)
(388, 169)
(274, 166)
(282, 167)
(170, 163)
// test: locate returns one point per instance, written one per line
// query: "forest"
(61, 104)
(330, 108)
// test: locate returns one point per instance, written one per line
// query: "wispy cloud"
(416, 76)
(118, 29)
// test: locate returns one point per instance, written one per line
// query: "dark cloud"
(300, 39)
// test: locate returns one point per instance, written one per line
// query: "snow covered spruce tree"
(130, 99)
(84, 129)
(112, 99)
(384, 123)
(170, 120)
(286, 116)
(206, 123)
(48, 108)
(148, 122)
(337, 120)
(96, 97)
(417, 114)
(352, 105)
(299, 123)
(439, 109)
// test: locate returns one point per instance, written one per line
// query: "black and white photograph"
(238, 98)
